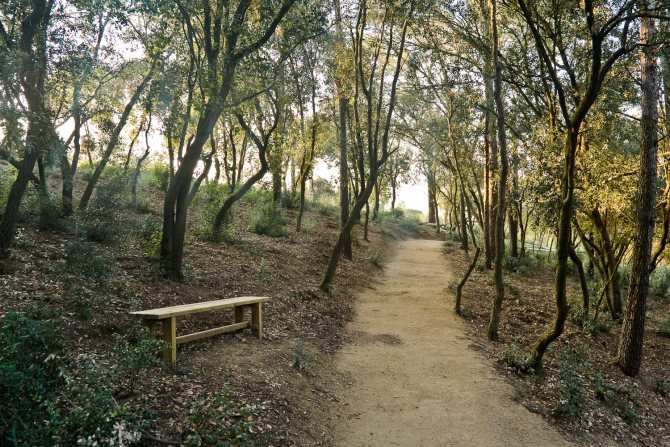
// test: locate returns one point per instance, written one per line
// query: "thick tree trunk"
(499, 246)
(632, 331)
(40, 132)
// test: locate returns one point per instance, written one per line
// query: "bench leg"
(170, 336)
(239, 317)
(151, 324)
(257, 320)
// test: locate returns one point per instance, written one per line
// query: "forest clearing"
(315, 208)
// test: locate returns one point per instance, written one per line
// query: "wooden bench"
(168, 316)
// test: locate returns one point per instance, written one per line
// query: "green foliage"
(135, 358)
(102, 220)
(571, 398)
(22, 240)
(659, 282)
(290, 199)
(209, 201)
(264, 272)
(48, 399)
(302, 356)
(268, 219)
(217, 422)
(661, 386)
(664, 328)
(405, 219)
(586, 322)
(617, 398)
(374, 256)
(159, 176)
(515, 358)
(86, 277)
(355, 236)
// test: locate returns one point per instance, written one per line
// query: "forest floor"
(283, 381)
(415, 381)
(583, 395)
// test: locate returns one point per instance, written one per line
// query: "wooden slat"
(211, 332)
(185, 309)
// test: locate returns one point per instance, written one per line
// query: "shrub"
(659, 282)
(217, 422)
(290, 199)
(159, 176)
(664, 328)
(374, 257)
(48, 399)
(209, 201)
(102, 220)
(135, 358)
(570, 393)
(86, 277)
(268, 219)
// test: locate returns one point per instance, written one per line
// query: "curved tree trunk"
(86, 196)
(499, 246)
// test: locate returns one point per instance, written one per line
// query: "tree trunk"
(464, 225)
(582, 278)
(459, 287)
(68, 170)
(513, 234)
(611, 266)
(40, 132)
(86, 196)
(564, 237)
(344, 173)
(499, 246)
(632, 331)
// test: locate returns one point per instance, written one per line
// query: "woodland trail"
(415, 380)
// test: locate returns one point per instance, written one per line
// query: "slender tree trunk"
(459, 287)
(582, 278)
(492, 332)
(464, 225)
(614, 303)
(513, 233)
(632, 331)
(86, 196)
(69, 170)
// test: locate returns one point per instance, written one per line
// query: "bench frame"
(168, 316)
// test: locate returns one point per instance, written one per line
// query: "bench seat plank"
(185, 309)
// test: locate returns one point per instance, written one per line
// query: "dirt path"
(415, 380)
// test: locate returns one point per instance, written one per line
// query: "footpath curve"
(415, 380)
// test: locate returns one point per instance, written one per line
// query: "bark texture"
(632, 330)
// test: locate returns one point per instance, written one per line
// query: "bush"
(48, 399)
(159, 176)
(290, 199)
(268, 219)
(664, 328)
(102, 220)
(659, 282)
(217, 422)
(86, 277)
(209, 201)
(135, 358)
(374, 257)
(570, 393)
